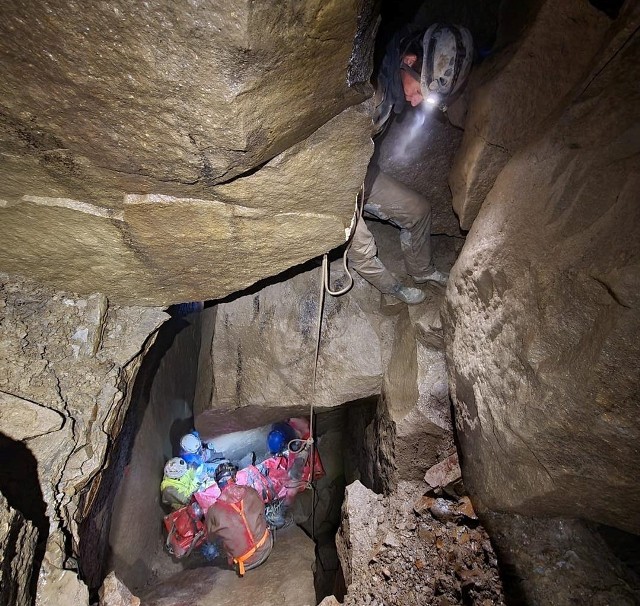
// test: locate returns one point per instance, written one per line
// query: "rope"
(326, 286)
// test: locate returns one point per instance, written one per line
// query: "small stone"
(444, 473)
(465, 508)
(443, 510)
(426, 535)
(391, 540)
(386, 573)
(423, 504)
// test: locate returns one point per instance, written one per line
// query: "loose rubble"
(432, 551)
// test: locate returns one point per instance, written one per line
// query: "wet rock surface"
(415, 555)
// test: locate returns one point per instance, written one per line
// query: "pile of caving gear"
(195, 479)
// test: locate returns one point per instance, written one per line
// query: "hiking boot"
(435, 275)
(407, 294)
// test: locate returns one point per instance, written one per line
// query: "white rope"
(325, 286)
(357, 216)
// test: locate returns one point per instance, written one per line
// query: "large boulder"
(156, 248)
(516, 90)
(543, 311)
(111, 98)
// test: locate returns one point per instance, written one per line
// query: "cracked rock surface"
(66, 365)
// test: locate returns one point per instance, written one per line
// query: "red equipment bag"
(262, 484)
(185, 531)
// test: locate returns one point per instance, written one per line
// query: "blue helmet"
(279, 436)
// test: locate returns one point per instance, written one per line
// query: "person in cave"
(426, 69)
(237, 520)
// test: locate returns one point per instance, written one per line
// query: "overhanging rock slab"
(160, 249)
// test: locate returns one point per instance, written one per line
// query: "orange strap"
(244, 557)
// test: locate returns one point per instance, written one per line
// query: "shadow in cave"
(97, 501)
(20, 486)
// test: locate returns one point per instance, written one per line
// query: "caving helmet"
(224, 473)
(175, 468)
(190, 443)
(446, 62)
(279, 436)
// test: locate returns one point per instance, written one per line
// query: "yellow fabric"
(186, 485)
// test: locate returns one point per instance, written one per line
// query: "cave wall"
(258, 352)
(67, 364)
(542, 312)
(513, 92)
(162, 154)
(136, 545)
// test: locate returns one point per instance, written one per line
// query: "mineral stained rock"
(542, 311)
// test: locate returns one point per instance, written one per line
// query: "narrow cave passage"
(141, 189)
(124, 530)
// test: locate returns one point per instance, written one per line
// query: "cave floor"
(426, 560)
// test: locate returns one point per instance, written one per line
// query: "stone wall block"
(262, 351)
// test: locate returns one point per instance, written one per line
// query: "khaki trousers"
(390, 200)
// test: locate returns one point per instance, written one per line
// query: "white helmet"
(175, 468)
(446, 61)
(190, 443)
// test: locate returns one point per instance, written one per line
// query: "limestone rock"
(542, 311)
(517, 90)
(362, 530)
(115, 593)
(117, 98)
(443, 473)
(416, 400)
(155, 248)
(21, 419)
(66, 365)
(18, 539)
(62, 587)
(262, 352)
(560, 561)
